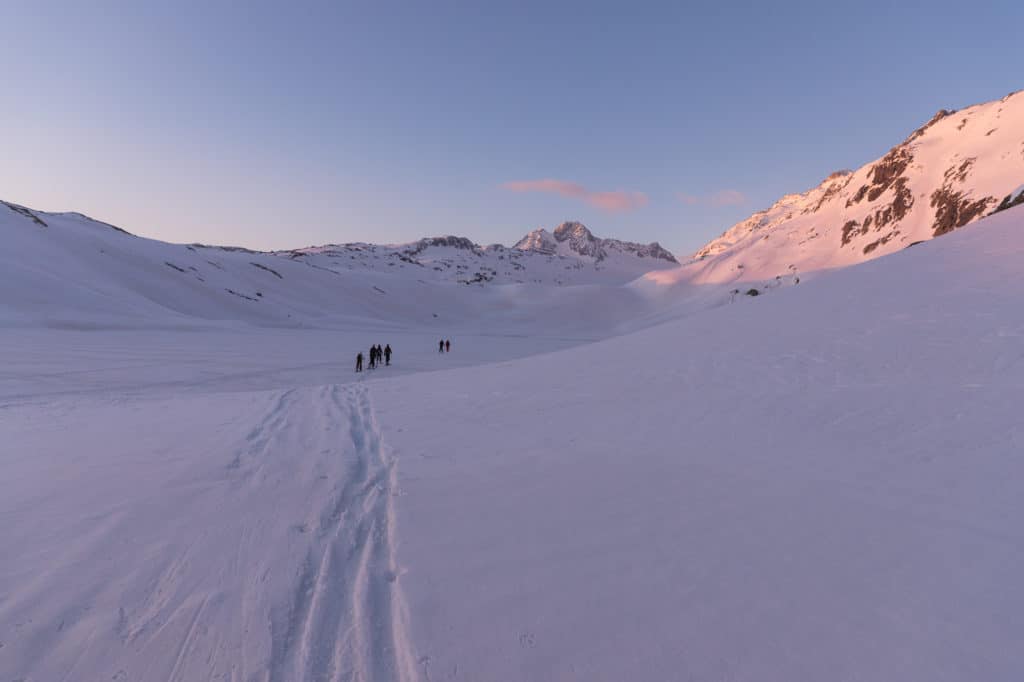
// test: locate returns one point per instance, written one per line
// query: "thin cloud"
(612, 201)
(725, 197)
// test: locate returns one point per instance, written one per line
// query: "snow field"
(823, 483)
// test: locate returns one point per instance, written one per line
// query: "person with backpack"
(373, 358)
(387, 355)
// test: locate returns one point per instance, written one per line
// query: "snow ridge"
(956, 168)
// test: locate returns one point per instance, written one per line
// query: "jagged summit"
(573, 238)
(539, 241)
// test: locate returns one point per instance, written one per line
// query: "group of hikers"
(380, 355)
(377, 356)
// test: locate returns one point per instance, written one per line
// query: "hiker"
(359, 362)
(440, 346)
(447, 346)
(373, 358)
(387, 355)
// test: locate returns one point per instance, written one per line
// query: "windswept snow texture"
(602, 481)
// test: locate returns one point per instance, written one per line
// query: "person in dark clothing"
(440, 346)
(447, 345)
(373, 358)
(359, 362)
(387, 355)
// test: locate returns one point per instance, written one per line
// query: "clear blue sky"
(272, 124)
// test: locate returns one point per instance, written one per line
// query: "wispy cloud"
(725, 197)
(615, 201)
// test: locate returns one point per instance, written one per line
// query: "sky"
(279, 125)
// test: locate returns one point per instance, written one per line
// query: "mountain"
(570, 254)
(69, 270)
(956, 168)
(574, 239)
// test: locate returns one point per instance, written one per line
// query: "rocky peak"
(581, 241)
(452, 241)
(656, 250)
(573, 231)
(539, 240)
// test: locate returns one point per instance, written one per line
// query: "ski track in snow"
(277, 563)
(347, 617)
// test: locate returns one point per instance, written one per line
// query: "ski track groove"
(347, 618)
(186, 643)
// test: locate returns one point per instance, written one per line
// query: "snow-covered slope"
(824, 484)
(65, 269)
(953, 170)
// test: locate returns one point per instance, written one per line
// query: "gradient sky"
(276, 125)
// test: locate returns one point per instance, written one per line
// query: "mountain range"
(69, 269)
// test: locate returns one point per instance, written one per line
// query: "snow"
(621, 470)
(977, 152)
(824, 485)
(127, 282)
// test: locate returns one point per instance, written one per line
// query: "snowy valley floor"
(820, 484)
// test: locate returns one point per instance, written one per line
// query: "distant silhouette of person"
(387, 355)
(373, 358)
(440, 346)
(448, 345)
(359, 362)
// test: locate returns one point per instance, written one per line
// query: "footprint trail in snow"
(347, 619)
